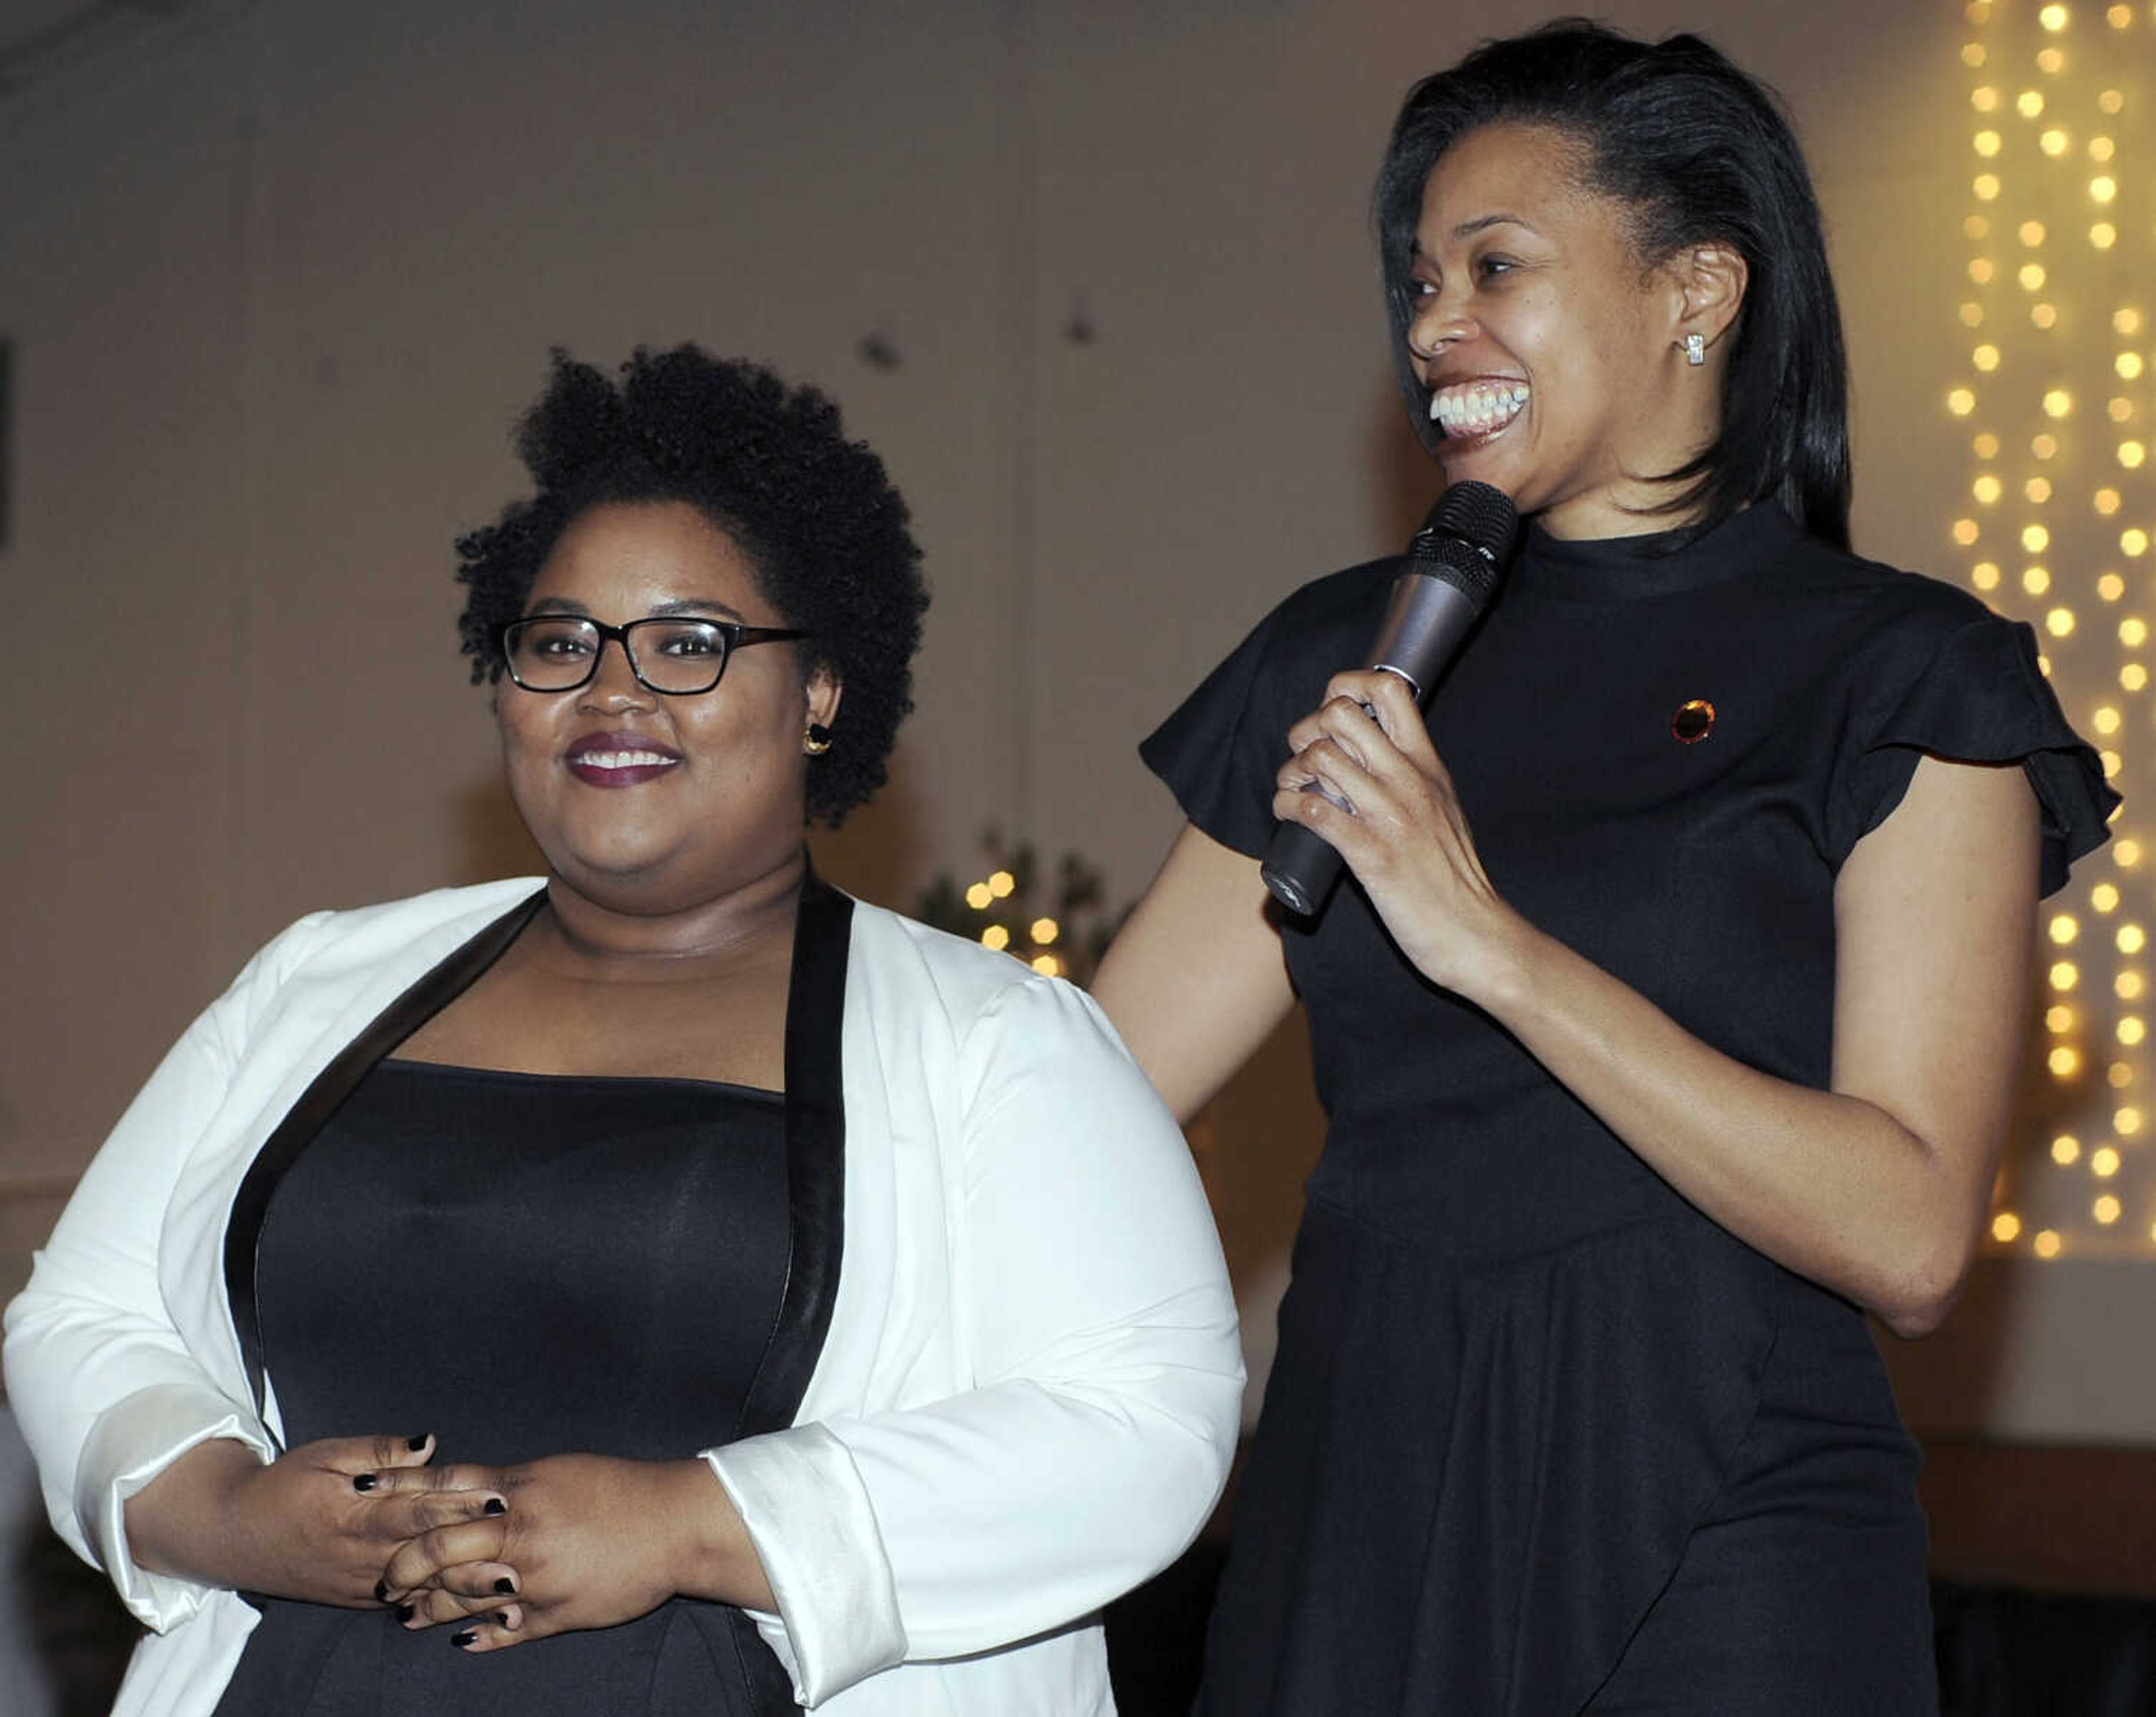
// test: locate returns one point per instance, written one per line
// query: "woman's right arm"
(1196, 980)
(112, 1397)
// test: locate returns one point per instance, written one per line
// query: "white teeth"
(1477, 407)
(622, 759)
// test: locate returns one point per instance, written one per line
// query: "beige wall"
(278, 287)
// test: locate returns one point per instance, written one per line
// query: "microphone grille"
(1471, 530)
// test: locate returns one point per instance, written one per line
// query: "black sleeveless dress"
(1540, 1437)
(523, 1266)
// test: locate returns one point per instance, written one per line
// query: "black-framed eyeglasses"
(675, 658)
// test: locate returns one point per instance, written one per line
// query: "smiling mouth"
(604, 764)
(1476, 410)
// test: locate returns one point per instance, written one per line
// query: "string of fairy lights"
(2057, 404)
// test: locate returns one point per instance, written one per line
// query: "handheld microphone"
(1452, 566)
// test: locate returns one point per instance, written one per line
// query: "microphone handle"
(1425, 620)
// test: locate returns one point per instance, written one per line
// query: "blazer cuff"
(815, 1530)
(132, 1442)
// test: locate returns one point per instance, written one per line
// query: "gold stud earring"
(817, 740)
(1695, 348)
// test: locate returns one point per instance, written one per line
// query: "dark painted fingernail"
(502, 1616)
(405, 1613)
(363, 1482)
(495, 1505)
(381, 1591)
(416, 1444)
(463, 1638)
(505, 1586)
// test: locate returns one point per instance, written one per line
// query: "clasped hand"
(1385, 799)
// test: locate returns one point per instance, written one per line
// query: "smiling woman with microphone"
(1667, 1021)
(773, 1301)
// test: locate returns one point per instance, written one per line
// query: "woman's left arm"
(1875, 1187)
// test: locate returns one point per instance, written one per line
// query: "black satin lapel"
(815, 1157)
(432, 992)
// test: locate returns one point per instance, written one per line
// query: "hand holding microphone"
(1452, 568)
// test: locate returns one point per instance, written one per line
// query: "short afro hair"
(770, 465)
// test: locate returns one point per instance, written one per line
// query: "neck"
(592, 938)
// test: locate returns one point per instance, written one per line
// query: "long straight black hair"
(1697, 152)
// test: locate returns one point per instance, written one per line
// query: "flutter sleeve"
(1221, 749)
(1972, 692)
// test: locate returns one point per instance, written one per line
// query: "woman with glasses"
(1669, 1020)
(669, 1285)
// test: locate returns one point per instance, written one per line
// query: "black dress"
(1540, 1437)
(523, 1266)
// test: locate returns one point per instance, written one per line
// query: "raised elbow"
(1924, 1293)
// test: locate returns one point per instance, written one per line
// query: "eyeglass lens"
(555, 654)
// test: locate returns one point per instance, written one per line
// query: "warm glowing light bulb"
(2118, 1075)
(1971, 314)
(2036, 580)
(2058, 403)
(1961, 401)
(2128, 366)
(2005, 1227)
(996, 937)
(2111, 101)
(2044, 445)
(2046, 1243)
(2101, 148)
(2038, 490)
(2103, 188)
(1972, 54)
(1044, 931)
(2053, 19)
(1986, 188)
(1985, 575)
(2034, 537)
(1985, 446)
(2105, 719)
(1985, 99)
(2132, 939)
(2031, 233)
(2128, 1121)
(2063, 1063)
(2127, 986)
(2109, 586)
(2133, 543)
(2106, 1209)
(2134, 676)
(1986, 143)
(2044, 316)
(978, 896)
(2132, 1029)
(1966, 532)
(2131, 454)
(2030, 103)
(1975, 226)
(2113, 764)
(2132, 631)
(2126, 320)
(2064, 975)
(1047, 965)
(2065, 1150)
(2119, 17)
(2120, 409)
(2059, 622)
(2103, 235)
(1986, 488)
(2105, 503)
(2053, 142)
(2058, 1020)
(2104, 896)
(1980, 270)
(2126, 854)
(2051, 60)
(2031, 276)
(2063, 928)
(1001, 883)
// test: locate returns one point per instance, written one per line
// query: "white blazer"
(1027, 1387)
